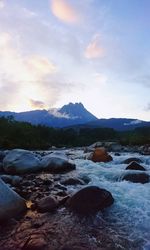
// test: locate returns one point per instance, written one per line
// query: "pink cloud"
(36, 104)
(64, 11)
(94, 49)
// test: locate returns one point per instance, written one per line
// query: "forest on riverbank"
(14, 134)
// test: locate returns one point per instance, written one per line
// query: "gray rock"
(11, 204)
(55, 164)
(19, 161)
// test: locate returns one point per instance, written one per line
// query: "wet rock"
(145, 150)
(47, 204)
(117, 154)
(85, 178)
(129, 160)
(56, 165)
(19, 161)
(72, 181)
(11, 204)
(35, 242)
(135, 166)
(90, 200)
(137, 178)
(101, 155)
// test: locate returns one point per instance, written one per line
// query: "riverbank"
(123, 225)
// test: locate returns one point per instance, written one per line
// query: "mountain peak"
(76, 104)
(77, 111)
(70, 114)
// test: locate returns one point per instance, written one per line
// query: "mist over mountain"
(73, 115)
(119, 124)
(68, 115)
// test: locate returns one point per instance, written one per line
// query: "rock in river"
(56, 165)
(137, 178)
(131, 159)
(11, 204)
(101, 155)
(90, 200)
(135, 166)
(19, 161)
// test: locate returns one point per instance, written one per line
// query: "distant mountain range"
(68, 115)
(119, 124)
(73, 115)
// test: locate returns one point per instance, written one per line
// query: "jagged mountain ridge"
(68, 115)
(74, 116)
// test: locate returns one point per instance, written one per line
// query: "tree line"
(14, 134)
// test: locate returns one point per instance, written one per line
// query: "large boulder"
(19, 161)
(11, 204)
(137, 178)
(101, 155)
(56, 165)
(135, 166)
(90, 200)
(131, 159)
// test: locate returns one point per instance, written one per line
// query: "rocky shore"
(46, 203)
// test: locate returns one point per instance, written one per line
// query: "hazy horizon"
(96, 52)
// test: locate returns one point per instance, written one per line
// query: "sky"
(92, 51)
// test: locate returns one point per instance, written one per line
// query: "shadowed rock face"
(55, 164)
(131, 159)
(137, 178)
(90, 200)
(47, 204)
(135, 166)
(11, 204)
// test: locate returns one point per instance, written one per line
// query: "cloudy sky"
(92, 51)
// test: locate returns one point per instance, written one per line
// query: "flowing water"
(130, 214)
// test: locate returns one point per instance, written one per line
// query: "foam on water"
(131, 210)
